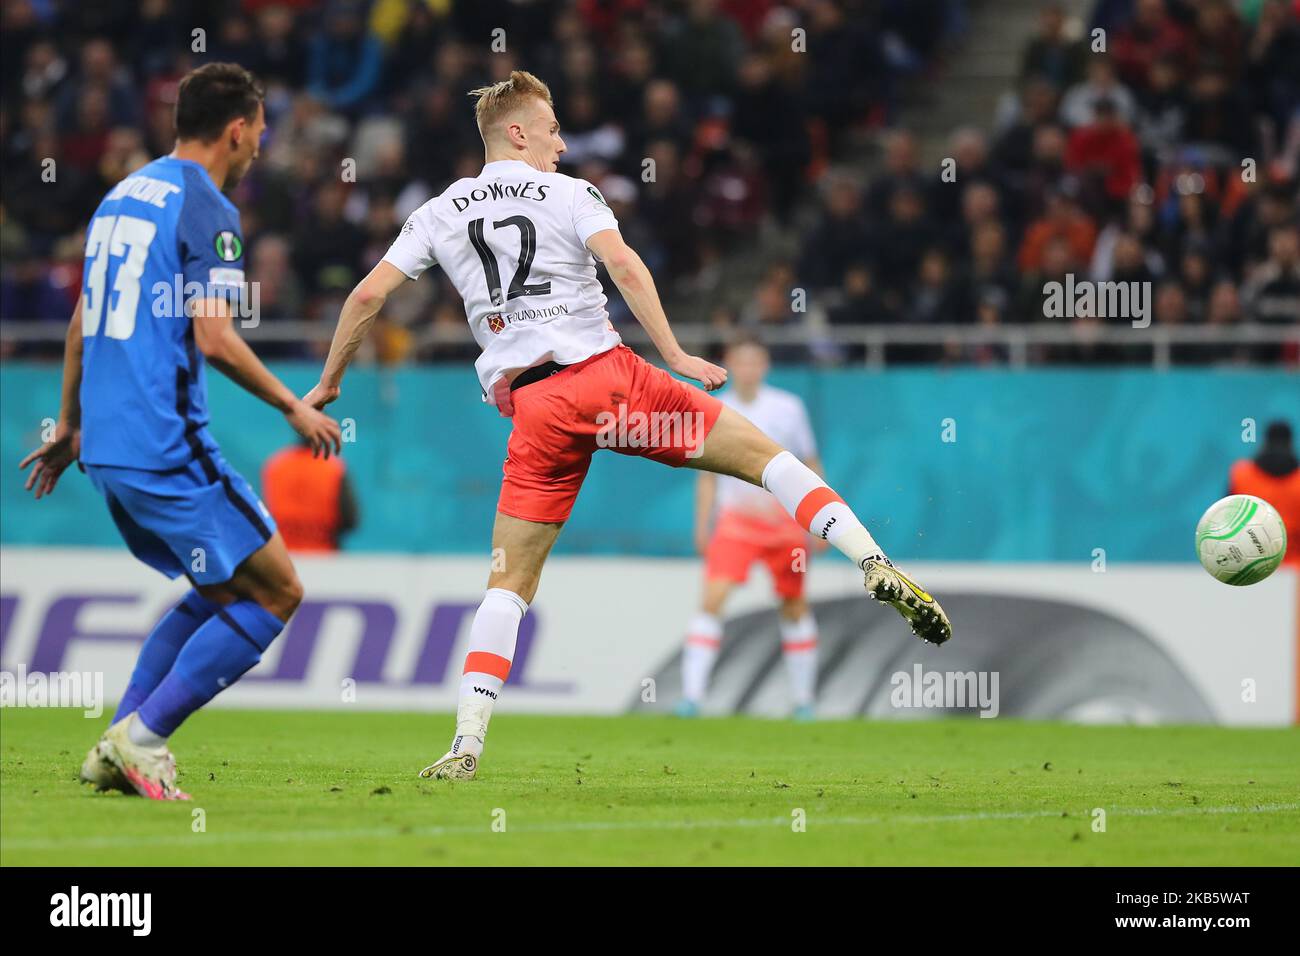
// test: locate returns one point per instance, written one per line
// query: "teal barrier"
(1046, 465)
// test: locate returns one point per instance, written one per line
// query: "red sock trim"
(794, 647)
(482, 662)
(813, 502)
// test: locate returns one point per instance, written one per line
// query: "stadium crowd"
(704, 125)
(1168, 156)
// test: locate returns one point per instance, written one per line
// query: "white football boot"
(886, 583)
(99, 771)
(150, 771)
(456, 764)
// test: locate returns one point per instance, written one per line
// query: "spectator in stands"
(1170, 307)
(1063, 220)
(1190, 219)
(1196, 274)
(1139, 227)
(900, 243)
(989, 267)
(902, 170)
(1079, 105)
(44, 71)
(1225, 305)
(1272, 69)
(100, 71)
(279, 294)
(858, 302)
(1162, 108)
(325, 244)
(1218, 113)
(1272, 293)
(1246, 234)
(1151, 34)
(770, 116)
(702, 50)
(1052, 263)
(969, 150)
(847, 77)
(280, 56)
(1051, 53)
(1218, 37)
(936, 296)
(772, 307)
(1030, 190)
(1131, 261)
(1034, 108)
(345, 61)
(662, 119)
(1105, 155)
(840, 238)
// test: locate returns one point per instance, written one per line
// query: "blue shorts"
(202, 520)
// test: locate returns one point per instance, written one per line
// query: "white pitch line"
(579, 826)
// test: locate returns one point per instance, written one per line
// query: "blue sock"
(218, 654)
(161, 647)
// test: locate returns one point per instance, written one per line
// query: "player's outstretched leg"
(524, 546)
(250, 611)
(736, 447)
(799, 650)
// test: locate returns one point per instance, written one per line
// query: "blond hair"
(494, 103)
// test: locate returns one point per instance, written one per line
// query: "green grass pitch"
(342, 788)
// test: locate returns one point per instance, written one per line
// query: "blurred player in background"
(163, 278)
(751, 526)
(520, 243)
(1274, 475)
(310, 498)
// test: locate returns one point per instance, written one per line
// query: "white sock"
(703, 638)
(799, 648)
(817, 508)
(487, 665)
(142, 736)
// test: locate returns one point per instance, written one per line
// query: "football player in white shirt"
(520, 242)
(738, 524)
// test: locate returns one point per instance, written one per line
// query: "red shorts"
(614, 400)
(740, 539)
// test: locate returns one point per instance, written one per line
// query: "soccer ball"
(1240, 539)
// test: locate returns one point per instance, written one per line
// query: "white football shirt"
(782, 416)
(513, 240)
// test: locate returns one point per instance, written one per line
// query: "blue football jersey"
(163, 236)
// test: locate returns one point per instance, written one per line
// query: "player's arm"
(358, 315)
(638, 288)
(216, 338)
(53, 457)
(706, 493)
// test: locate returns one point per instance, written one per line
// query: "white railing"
(1019, 340)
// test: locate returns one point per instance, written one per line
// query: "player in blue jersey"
(162, 283)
